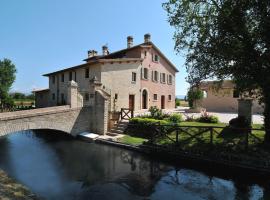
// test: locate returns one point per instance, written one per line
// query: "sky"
(44, 36)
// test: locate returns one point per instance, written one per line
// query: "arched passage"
(144, 99)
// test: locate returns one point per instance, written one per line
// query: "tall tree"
(225, 39)
(7, 77)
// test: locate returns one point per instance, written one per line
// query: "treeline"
(21, 96)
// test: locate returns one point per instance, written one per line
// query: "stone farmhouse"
(135, 77)
(223, 98)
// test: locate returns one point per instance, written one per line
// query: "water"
(56, 166)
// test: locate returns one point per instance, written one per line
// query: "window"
(162, 77)
(145, 53)
(133, 77)
(169, 79)
(115, 96)
(155, 76)
(87, 73)
(53, 96)
(53, 79)
(86, 97)
(155, 97)
(156, 58)
(70, 76)
(236, 93)
(63, 77)
(170, 97)
(145, 73)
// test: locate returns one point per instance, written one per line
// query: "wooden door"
(131, 101)
(162, 102)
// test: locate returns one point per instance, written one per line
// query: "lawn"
(189, 139)
(132, 140)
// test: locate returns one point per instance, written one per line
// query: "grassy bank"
(11, 190)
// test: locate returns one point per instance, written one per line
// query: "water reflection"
(56, 166)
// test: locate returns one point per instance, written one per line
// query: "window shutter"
(141, 73)
(153, 75)
(167, 79)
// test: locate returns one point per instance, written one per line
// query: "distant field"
(24, 102)
(183, 103)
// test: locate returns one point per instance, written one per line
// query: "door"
(162, 102)
(131, 101)
(144, 99)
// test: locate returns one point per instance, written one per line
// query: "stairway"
(118, 128)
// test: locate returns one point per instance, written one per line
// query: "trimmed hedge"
(141, 127)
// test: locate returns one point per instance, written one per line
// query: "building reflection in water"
(72, 169)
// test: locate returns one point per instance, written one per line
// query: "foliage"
(177, 102)
(225, 39)
(7, 77)
(143, 127)
(156, 113)
(175, 118)
(239, 122)
(207, 118)
(193, 95)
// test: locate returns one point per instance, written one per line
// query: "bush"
(239, 122)
(193, 95)
(206, 118)
(156, 113)
(175, 118)
(177, 102)
(141, 127)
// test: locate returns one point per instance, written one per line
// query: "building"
(136, 77)
(224, 97)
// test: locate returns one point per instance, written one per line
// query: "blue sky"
(44, 36)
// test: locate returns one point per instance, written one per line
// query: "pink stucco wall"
(158, 88)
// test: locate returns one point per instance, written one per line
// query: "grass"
(183, 103)
(132, 140)
(10, 190)
(224, 139)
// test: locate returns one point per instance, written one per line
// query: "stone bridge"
(73, 118)
(62, 118)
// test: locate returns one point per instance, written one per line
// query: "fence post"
(177, 137)
(211, 136)
(246, 139)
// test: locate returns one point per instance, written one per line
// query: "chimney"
(129, 41)
(105, 50)
(92, 53)
(147, 38)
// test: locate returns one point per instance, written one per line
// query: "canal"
(56, 166)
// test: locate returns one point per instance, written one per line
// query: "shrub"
(177, 102)
(175, 118)
(193, 95)
(239, 122)
(141, 127)
(156, 113)
(206, 118)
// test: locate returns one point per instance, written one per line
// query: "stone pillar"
(72, 94)
(245, 109)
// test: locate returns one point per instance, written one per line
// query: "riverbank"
(11, 190)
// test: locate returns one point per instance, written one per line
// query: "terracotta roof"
(70, 68)
(114, 57)
(142, 45)
(40, 90)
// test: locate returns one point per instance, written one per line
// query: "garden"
(203, 135)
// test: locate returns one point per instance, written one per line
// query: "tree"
(7, 77)
(225, 39)
(193, 96)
